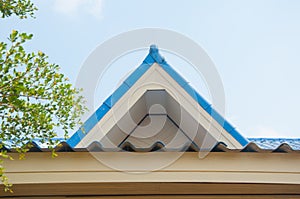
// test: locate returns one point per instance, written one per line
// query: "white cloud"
(74, 8)
(95, 8)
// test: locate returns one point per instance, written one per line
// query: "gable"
(189, 109)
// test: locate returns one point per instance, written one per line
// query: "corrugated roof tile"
(256, 145)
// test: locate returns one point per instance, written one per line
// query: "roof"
(279, 145)
(273, 143)
(152, 58)
(130, 143)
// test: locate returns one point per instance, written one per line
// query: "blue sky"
(254, 44)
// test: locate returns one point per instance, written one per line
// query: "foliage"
(3, 178)
(20, 8)
(34, 97)
(36, 100)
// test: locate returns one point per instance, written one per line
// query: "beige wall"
(80, 173)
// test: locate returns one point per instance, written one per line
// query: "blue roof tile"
(273, 143)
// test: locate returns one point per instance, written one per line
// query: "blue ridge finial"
(155, 54)
(153, 48)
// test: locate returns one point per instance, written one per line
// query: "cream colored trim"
(82, 167)
(157, 78)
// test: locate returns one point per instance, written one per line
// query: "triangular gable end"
(152, 58)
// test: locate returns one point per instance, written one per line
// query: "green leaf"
(13, 36)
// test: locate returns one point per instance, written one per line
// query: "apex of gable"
(154, 56)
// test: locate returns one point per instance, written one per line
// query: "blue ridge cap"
(151, 58)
